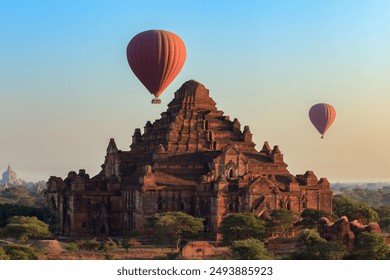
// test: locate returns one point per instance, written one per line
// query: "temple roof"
(192, 95)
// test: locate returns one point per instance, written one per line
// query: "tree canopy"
(374, 197)
(20, 196)
(343, 206)
(172, 227)
(384, 217)
(370, 246)
(310, 246)
(3, 254)
(22, 228)
(249, 249)
(240, 226)
(43, 213)
(20, 252)
(281, 220)
(310, 217)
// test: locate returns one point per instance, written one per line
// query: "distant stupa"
(10, 177)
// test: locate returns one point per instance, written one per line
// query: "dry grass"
(133, 254)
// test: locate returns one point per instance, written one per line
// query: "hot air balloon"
(322, 116)
(156, 58)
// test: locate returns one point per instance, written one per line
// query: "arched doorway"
(103, 229)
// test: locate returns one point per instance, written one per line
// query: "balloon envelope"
(156, 58)
(322, 116)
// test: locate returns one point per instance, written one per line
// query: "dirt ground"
(132, 254)
(121, 254)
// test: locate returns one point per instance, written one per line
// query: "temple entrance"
(103, 229)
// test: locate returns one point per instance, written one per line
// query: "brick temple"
(193, 159)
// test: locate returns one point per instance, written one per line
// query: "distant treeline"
(42, 213)
(373, 197)
(341, 187)
(21, 196)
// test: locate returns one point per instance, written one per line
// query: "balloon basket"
(156, 101)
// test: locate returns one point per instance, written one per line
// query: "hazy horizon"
(66, 87)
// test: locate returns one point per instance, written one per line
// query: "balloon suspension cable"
(156, 100)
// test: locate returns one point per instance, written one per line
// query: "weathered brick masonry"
(193, 159)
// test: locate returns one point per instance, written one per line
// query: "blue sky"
(66, 88)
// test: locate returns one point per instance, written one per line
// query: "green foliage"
(22, 228)
(372, 197)
(384, 217)
(72, 247)
(240, 226)
(20, 252)
(249, 249)
(310, 246)
(281, 220)
(310, 217)
(172, 227)
(15, 193)
(3, 254)
(127, 243)
(343, 206)
(108, 246)
(43, 213)
(370, 246)
(89, 244)
(20, 196)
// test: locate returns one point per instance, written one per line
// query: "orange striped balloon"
(156, 58)
(322, 116)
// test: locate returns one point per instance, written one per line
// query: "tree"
(240, 226)
(43, 213)
(370, 246)
(343, 206)
(23, 228)
(372, 196)
(3, 254)
(109, 246)
(281, 220)
(384, 217)
(310, 246)
(310, 217)
(20, 252)
(172, 227)
(249, 249)
(15, 193)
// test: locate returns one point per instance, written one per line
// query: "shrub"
(89, 244)
(20, 252)
(249, 249)
(370, 246)
(3, 254)
(23, 228)
(310, 246)
(108, 246)
(72, 247)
